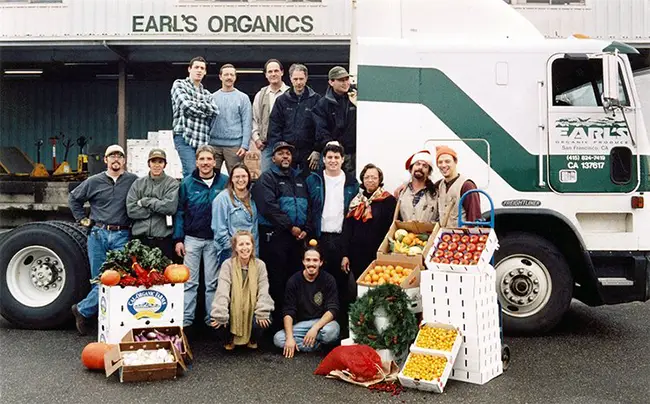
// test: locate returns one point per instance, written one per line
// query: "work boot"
(80, 321)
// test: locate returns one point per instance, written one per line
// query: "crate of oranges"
(438, 338)
(427, 372)
(404, 274)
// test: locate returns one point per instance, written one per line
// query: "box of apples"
(462, 249)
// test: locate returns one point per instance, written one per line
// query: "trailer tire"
(44, 269)
(534, 283)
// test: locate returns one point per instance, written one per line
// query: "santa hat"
(422, 155)
(440, 150)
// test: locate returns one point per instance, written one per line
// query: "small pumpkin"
(177, 273)
(92, 355)
(110, 277)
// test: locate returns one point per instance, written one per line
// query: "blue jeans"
(186, 153)
(265, 158)
(195, 248)
(100, 241)
(327, 335)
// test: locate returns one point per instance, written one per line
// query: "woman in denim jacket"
(234, 209)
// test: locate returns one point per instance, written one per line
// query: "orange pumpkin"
(110, 277)
(176, 273)
(92, 355)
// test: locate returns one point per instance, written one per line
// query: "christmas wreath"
(403, 324)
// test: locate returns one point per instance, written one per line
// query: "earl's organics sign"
(230, 24)
(588, 135)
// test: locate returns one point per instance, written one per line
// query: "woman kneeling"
(242, 300)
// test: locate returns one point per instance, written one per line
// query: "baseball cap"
(115, 148)
(337, 72)
(157, 154)
(283, 145)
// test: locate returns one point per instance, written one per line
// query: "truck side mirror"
(610, 80)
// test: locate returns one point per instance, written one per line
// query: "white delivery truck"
(552, 130)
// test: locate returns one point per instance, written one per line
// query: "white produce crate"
(472, 319)
(458, 285)
(491, 245)
(454, 349)
(436, 385)
(124, 307)
(478, 358)
(477, 377)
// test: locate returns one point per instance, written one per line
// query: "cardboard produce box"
(185, 351)
(384, 252)
(114, 361)
(410, 284)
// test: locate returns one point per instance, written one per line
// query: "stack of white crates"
(465, 296)
(138, 153)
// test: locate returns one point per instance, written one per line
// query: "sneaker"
(80, 321)
(251, 345)
(229, 346)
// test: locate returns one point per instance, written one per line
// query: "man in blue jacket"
(331, 192)
(193, 235)
(284, 219)
(291, 120)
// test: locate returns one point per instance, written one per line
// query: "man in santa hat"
(450, 189)
(418, 200)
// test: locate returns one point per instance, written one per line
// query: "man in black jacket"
(335, 116)
(284, 216)
(292, 121)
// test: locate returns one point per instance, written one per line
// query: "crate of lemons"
(408, 243)
(431, 357)
(383, 274)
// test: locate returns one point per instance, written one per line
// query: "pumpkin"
(92, 355)
(110, 277)
(177, 273)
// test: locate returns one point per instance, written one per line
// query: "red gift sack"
(360, 360)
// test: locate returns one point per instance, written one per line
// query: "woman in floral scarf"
(368, 219)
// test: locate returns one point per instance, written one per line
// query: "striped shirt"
(192, 112)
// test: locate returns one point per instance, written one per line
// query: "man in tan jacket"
(451, 188)
(262, 107)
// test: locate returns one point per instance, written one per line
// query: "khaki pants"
(227, 154)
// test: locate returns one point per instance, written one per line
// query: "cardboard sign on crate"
(114, 361)
(384, 252)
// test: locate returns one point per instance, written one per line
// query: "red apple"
(480, 247)
(436, 260)
(468, 256)
(446, 237)
(473, 262)
(462, 247)
(444, 261)
(449, 254)
(453, 246)
(477, 255)
(471, 247)
(455, 238)
(458, 255)
(464, 239)
(483, 238)
(439, 253)
(473, 238)
(455, 262)
(464, 262)
(443, 246)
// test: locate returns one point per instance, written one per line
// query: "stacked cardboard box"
(138, 151)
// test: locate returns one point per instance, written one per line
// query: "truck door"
(591, 148)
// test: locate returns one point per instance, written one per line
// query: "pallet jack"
(82, 158)
(39, 170)
(505, 349)
(64, 167)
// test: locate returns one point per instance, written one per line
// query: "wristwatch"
(85, 222)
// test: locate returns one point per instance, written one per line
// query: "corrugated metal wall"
(31, 110)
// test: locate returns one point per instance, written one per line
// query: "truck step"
(615, 282)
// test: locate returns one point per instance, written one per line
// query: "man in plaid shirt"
(193, 110)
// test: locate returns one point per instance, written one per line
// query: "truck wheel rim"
(523, 285)
(35, 276)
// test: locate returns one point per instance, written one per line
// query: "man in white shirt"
(331, 192)
(262, 106)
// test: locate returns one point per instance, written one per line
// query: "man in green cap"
(335, 117)
(151, 203)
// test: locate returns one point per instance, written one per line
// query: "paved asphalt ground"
(597, 355)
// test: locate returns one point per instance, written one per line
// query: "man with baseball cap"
(452, 187)
(108, 222)
(335, 117)
(151, 202)
(284, 216)
(418, 200)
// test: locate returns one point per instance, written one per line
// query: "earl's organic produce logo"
(147, 304)
(590, 134)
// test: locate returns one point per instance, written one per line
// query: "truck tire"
(44, 269)
(534, 283)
